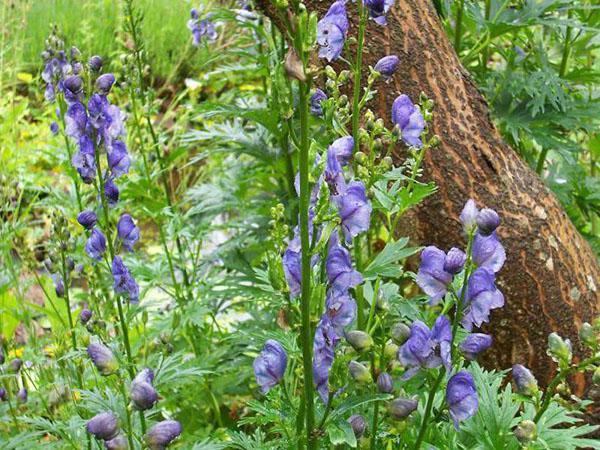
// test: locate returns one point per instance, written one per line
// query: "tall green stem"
(566, 49)
(458, 29)
(428, 408)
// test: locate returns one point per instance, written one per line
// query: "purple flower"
(292, 269)
(59, 286)
(354, 209)
(487, 221)
(162, 434)
(410, 120)
(127, 232)
(525, 382)
(22, 395)
(54, 128)
(87, 219)
(468, 215)
(85, 315)
(111, 192)
(333, 175)
(123, 281)
(103, 358)
(432, 277)
(455, 261)
(269, 366)
(358, 424)
(324, 345)
(378, 9)
(76, 120)
(104, 83)
(85, 160)
(117, 443)
(400, 408)
(340, 273)
(461, 397)
(387, 65)
(96, 244)
(3, 395)
(331, 31)
(1, 356)
(143, 395)
(385, 383)
(103, 426)
(341, 309)
(95, 63)
(427, 348)
(118, 158)
(342, 149)
(474, 344)
(201, 28)
(73, 89)
(15, 365)
(488, 252)
(482, 297)
(49, 93)
(315, 102)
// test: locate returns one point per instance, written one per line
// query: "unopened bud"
(400, 333)
(526, 432)
(359, 372)
(588, 335)
(525, 382)
(385, 383)
(596, 376)
(360, 157)
(358, 424)
(400, 408)
(560, 349)
(390, 350)
(359, 340)
(330, 73)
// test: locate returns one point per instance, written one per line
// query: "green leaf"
(386, 264)
(341, 433)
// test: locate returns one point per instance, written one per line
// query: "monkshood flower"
(431, 277)
(124, 283)
(358, 424)
(409, 119)
(455, 261)
(104, 426)
(333, 174)
(15, 365)
(95, 63)
(354, 209)
(111, 192)
(387, 65)
(3, 395)
(341, 309)
(127, 232)
(340, 273)
(482, 297)
(487, 221)
(87, 219)
(326, 340)
(84, 160)
(96, 245)
(378, 9)
(427, 348)
(331, 31)
(162, 434)
(315, 102)
(54, 128)
(118, 159)
(269, 366)
(468, 216)
(525, 382)
(461, 397)
(104, 83)
(342, 149)
(474, 344)
(400, 408)
(22, 395)
(59, 286)
(292, 269)
(385, 383)
(84, 316)
(73, 89)
(488, 252)
(103, 358)
(76, 120)
(201, 28)
(143, 395)
(117, 443)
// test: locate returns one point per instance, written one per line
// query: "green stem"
(541, 160)
(566, 49)
(128, 417)
(458, 29)
(428, 408)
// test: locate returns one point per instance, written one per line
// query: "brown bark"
(551, 276)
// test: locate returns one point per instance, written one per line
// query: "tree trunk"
(551, 274)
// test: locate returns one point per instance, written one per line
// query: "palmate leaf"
(385, 264)
(354, 402)
(262, 116)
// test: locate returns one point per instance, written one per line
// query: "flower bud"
(1, 356)
(3, 395)
(487, 221)
(15, 365)
(400, 408)
(454, 261)
(525, 382)
(59, 286)
(103, 426)
(390, 350)
(385, 383)
(343, 100)
(474, 344)
(400, 333)
(22, 395)
(143, 395)
(162, 434)
(70, 264)
(117, 443)
(358, 424)
(87, 219)
(104, 83)
(330, 73)
(387, 65)
(359, 372)
(359, 340)
(75, 53)
(95, 63)
(293, 66)
(526, 432)
(344, 76)
(360, 157)
(588, 335)
(596, 376)
(103, 358)
(387, 162)
(84, 316)
(560, 349)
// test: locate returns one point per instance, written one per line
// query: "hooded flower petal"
(292, 269)
(488, 252)
(118, 159)
(410, 120)
(474, 344)
(315, 102)
(340, 273)
(461, 397)
(96, 244)
(123, 281)
(341, 309)
(354, 209)
(103, 426)
(324, 345)
(482, 297)
(270, 365)
(432, 277)
(162, 434)
(331, 31)
(127, 232)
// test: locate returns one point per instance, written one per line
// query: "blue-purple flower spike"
(461, 397)
(355, 210)
(269, 366)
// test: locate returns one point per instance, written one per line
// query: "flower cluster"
(201, 28)
(59, 65)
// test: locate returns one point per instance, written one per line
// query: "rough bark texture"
(551, 276)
